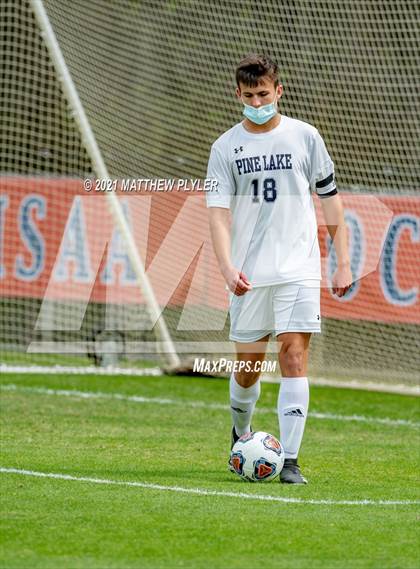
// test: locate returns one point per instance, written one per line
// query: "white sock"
(242, 404)
(292, 410)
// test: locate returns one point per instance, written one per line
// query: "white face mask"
(262, 114)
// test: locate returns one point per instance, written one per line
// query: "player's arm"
(218, 203)
(323, 182)
(219, 221)
(333, 211)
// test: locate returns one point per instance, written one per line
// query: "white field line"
(198, 404)
(79, 370)
(401, 389)
(203, 492)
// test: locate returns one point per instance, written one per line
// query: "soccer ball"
(257, 457)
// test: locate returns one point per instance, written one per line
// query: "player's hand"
(237, 281)
(342, 280)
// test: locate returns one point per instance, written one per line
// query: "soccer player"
(264, 233)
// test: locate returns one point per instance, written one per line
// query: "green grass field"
(182, 444)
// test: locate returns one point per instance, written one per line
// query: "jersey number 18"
(269, 190)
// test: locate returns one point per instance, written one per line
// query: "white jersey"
(266, 180)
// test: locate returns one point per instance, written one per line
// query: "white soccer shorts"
(275, 309)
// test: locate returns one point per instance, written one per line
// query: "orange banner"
(59, 242)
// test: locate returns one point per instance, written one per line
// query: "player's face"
(263, 94)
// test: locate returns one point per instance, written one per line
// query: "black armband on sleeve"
(325, 182)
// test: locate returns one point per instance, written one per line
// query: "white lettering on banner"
(31, 237)
(165, 272)
(117, 255)
(388, 265)
(74, 249)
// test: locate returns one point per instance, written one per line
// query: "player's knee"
(292, 361)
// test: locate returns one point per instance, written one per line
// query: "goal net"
(156, 81)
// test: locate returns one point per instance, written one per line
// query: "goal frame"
(166, 346)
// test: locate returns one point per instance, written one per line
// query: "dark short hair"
(254, 67)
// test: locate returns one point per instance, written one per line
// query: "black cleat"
(233, 439)
(291, 473)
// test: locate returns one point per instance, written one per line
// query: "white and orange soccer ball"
(257, 457)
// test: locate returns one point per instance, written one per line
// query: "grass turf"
(49, 523)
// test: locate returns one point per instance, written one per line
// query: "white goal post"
(165, 344)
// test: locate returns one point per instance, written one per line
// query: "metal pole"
(100, 168)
